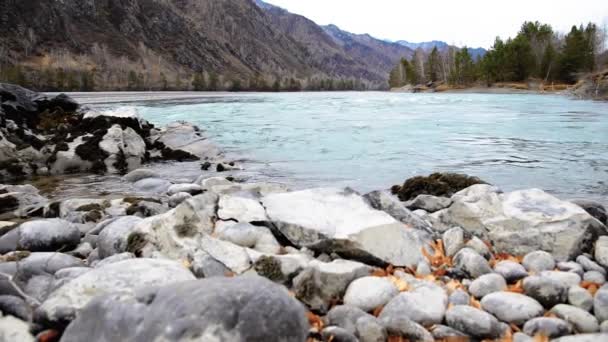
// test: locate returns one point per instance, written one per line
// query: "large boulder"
(20, 201)
(41, 236)
(523, 221)
(122, 277)
(184, 141)
(340, 221)
(215, 309)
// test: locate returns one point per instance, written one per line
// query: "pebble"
(571, 266)
(369, 329)
(453, 240)
(443, 332)
(459, 297)
(583, 338)
(368, 293)
(580, 297)
(402, 326)
(486, 284)
(480, 247)
(546, 291)
(471, 263)
(338, 334)
(600, 303)
(594, 277)
(567, 278)
(581, 320)
(547, 326)
(510, 270)
(512, 307)
(426, 305)
(346, 317)
(538, 261)
(590, 265)
(473, 322)
(601, 251)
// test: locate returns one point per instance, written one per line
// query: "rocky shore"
(441, 258)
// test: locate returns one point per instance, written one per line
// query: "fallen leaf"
(401, 284)
(514, 327)
(540, 338)
(378, 272)
(517, 287)
(48, 336)
(315, 321)
(475, 303)
(378, 310)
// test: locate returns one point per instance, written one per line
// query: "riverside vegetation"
(449, 258)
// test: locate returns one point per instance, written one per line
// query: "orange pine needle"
(514, 327)
(540, 338)
(378, 272)
(475, 303)
(517, 287)
(378, 310)
(315, 321)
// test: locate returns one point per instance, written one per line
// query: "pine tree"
(432, 65)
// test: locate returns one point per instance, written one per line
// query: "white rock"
(14, 330)
(247, 235)
(241, 209)
(140, 174)
(187, 137)
(193, 189)
(119, 144)
(232, 256)
(368, 293)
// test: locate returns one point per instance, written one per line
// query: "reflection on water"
(372, 140)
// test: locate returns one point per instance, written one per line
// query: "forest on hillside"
(536, 52)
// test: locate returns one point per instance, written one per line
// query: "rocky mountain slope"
(157, 42)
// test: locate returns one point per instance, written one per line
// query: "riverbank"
(209, 257)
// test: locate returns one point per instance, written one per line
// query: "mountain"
(428, 47)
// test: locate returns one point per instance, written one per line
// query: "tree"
(132, 83)
(433, 65)
(578, 53)
(29, 41)
(464, 68)
(213, 82)
(199, 83)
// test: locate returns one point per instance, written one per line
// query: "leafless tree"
(3, 55)
(29, 43)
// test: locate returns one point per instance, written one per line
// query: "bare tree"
(29, 43)
(3, 55)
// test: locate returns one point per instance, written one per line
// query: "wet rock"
(120, 277)
(581, 320)
(590, 265)
(580, 297)
(510, 270)
(425, 304)
(114, 237)
(436, 184)
(594, 209)
(341, 221)
(236, 309)
(453, 240)
(546, 291)
(41, 236)
(368, 293)
(13, 329)
(184, 141)
(601, 251)
(473, 322)
(192, 189)
(567, 278)
(384, 201)
(152, 185)
(600, 303)
(429, 203)
(594, 277)
(538, 261)
(547, 326)
(369, 329)
(401, 326)
(20, 201)
(511, 307)
(139, 174)
(241, 209)
(471, 263)
(338, 334)
(486, 284)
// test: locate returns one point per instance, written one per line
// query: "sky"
(474, 23)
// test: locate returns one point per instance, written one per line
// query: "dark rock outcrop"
(436, 184)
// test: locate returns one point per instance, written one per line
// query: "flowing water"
(372, 140)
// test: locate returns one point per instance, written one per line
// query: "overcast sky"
(462, 22)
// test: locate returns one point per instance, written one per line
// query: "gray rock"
(369, 329)
(473, 322)
(571, 266)
(258, 238)
(582, 338)
(113, 238)
(152, 185)
(453, 241)
(600, 303)
(402, 326)
(346, 317)
(547, 326)
(423, 268)
(139, 174)
(337, 334)
(538, 261)
(594, 209)
(113, 259)
(546, 291)
(479, 246)
(580, 297)
(205, 266)
(511, 307)
(187, 137)
(178, 198)
(521, 337)
(443, 332)
(39, 287)
(241, 208)
(82, 251)
(471, 263)
(341, 221)
(321, 282)
(13, 329)
(247, 308)
(581, 320)
(192, 189)
(425, 304)
(429, 203)
(383, 200)
(41, 236)
(604, 327)
(368, 293)
(487, 284)
(594, 277)
(567, 278)
(590, 265)
(510, 270)
(45, 263)
(120, 277)
(601, 250)
(459, 297)
(15, 306)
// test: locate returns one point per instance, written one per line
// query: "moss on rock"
(436, 184)
(269, 267)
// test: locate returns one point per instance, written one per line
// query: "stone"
(234, 257)
(346, 317)
(594, 209)
(581, 320)
(18, 201)
(590, 265)
(512, 307)
(423, 268)
(479, 246)
(192, 189)
(601, 251)
(205, 266)
(404, 327)
(113, 238)
(582, 338)
(571, 266)
(139, 174)
(187, 139)
(580, 297)
(443, 332)
(546, 291)
(384, 201)
(538, 261)
(453, 241)
(567, 278)
(436, 184)
(521, 222)
(594, 277)
(600, 303)
(471, 263)
(125, 149)
(338, 334)
(15, 306)
(112, 259)
(429, 203)
(45, 263)
(120, 277)
(319, 283)
(247, 308)
(510, 270)
(13, 329)
(41, 236)
(152, 185)
(547, 326)
(341, 221)
(459, 297)
(604, 327)
(369, 329)
(425, 304)
(486, 284)
(473, 322)
(178, 198)
(368, 293)
(241, 209)
(247, 235)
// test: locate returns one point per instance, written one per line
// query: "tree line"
(537, 52)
